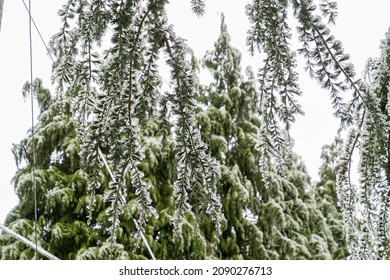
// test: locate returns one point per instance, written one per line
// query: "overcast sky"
(361, 26)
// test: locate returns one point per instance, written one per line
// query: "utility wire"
(33, 134)
(39, 32)
(28, 242)
(34, 245)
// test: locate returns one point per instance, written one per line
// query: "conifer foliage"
(365, 114)
(325, 59)
(366, 205)
(279, 220)
(60, 186)
(115, 96)
(274, 220)
(327, 196)
(199, 171)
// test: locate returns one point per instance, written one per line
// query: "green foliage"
(258, 221)
(366, 114)
(326, 62)
(114, 99)
(199, 171)
(327, 196)
(274, 220)
(60, 186)
(366, 206)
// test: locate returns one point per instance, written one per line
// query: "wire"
(33, 133)
(39, 32)
(28, 242)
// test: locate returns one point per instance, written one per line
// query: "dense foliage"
(326, 194)
(278, 220)
(201, 171)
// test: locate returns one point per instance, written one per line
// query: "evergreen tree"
(365, 207)
(274, 220)
(110, 94)
(326, 193)
(104, 114)
(111, 97)
(63, 198)
(61, 188)
(59, 185)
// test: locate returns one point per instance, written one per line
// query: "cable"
(33, 134)
(39, 32)
(28, 242)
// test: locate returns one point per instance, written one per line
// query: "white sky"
(360, 26)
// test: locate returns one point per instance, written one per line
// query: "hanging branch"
(372, 134)
(101, 155)
(197, 171)
(278, 80)
(111, 116)
(106, 118)
(327, 62)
